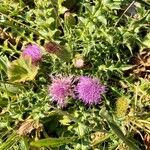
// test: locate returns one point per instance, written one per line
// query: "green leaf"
(146, 41)
(3, 101)
(118, 131)
(14, 138)
(24, 144)
(120, 134)
(22, 70)
(4, 63)
(102, 19)
(144, 3)
(81, 129)
(126, 67)
(9, 88)
(65, 120)
(64, 55)
(61, 9)
(52, 142)
(69, 19)
(101, 139)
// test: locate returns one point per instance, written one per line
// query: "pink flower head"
(79, 63)
(89, 90)
(33, 51)
(61, 89)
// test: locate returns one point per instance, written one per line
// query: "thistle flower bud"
(78, 62)
(121, 106)
(69, 18)
(52, 47)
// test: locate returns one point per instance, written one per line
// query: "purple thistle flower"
(89, 90)
(33, 51)
(60, 89)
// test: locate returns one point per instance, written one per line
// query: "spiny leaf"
(65, 120)
(22, 70)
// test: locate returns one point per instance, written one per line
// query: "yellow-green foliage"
(22, 70)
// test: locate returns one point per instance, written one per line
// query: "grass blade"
(52, 142)
(10, 141)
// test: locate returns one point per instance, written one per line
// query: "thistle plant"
(67, 76)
